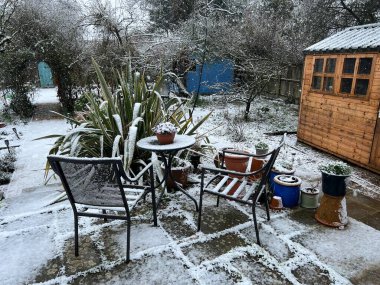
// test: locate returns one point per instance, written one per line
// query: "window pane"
(318, 65)
(361, 87)
(349, 65)
(316, 84)
(345, 85)
(328, 84)
(365, 65)
(330, 65)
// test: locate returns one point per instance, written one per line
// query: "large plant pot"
(180, 174)
(309, 198)
(235, 162)
(165, 138)
(256, 165)
(288, 188)
(334, 185)
(332, 211)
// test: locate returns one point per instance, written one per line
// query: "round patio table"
(167, 152)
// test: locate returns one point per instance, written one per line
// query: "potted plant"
(334, 177)
(165, 132)
(180, 170)
(309, 197)
(261, 148)
(333, 210)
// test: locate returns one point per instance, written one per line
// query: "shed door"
(45, 75)
(375, 154)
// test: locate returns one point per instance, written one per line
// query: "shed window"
(323, 74)
(361, 87)
(347, 75)
(365, 65)
(318, 66)
(355, 76)
(330, 65)
(345, 85)
(349, 65)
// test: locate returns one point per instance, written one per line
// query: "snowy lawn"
(37, 239)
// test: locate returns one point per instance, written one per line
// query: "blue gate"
(46, 77)
(217, 76)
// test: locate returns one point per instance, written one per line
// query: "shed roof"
(358, 38)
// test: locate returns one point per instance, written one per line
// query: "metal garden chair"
(243, 187)
(99, 183)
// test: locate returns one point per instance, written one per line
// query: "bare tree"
(7, 9)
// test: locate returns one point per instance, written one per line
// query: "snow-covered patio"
(37, 239)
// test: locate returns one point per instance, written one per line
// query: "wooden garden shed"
(339, 109)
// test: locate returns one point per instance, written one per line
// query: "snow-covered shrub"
(7, 162)
(261, 145)
(112, 126)
(5, 178)
(7, 166)
(336, 168)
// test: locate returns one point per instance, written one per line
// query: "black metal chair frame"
(261, 188)
(116, 163)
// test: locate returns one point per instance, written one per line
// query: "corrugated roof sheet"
(365, 37)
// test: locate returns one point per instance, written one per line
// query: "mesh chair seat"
(133, 194)
(98, 183)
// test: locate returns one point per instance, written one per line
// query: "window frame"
(338, 75)
(324, 74)
(355, 76)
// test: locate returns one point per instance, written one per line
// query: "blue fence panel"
(216, 77)
(46, 77)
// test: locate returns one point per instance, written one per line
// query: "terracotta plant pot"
(276, 203)
(256, 165)
(332, 211)
(235, 162)
(179, 173)
(167, 138)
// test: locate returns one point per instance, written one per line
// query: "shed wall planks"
(342, 125)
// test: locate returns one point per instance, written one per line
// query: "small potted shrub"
(334, 177)
(333, 210)
(309, 197)
(261, 148)
(165, 132)
(180, 170)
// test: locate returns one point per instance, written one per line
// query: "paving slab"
(201, 251)
(349, 251)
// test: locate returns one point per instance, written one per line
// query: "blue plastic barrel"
(288, 188)
(274, 172)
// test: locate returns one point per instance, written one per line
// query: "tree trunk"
(247, 108)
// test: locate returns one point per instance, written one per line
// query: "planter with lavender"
(261, 148)
(333, 209)
(334, 177)
(165, 132)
